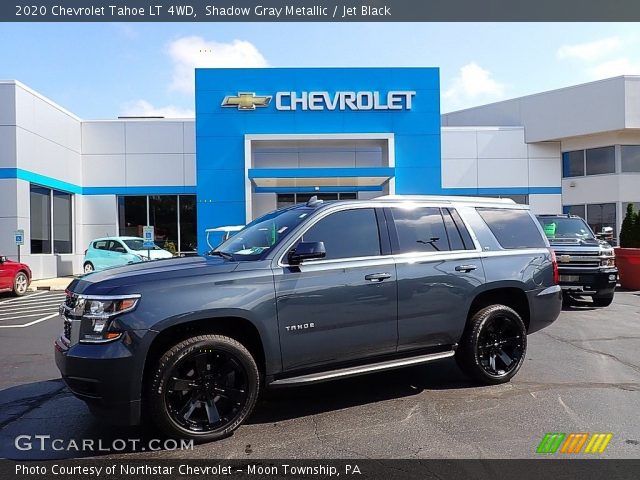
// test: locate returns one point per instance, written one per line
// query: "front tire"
(20, 284)
(493, 346)
(203, 388)
(88, 267)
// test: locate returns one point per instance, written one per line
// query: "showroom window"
(51, 218)
(601, 215)
(573, 163)
(630, 158)
(601, 160)
(288, 199)
(578, 210)
(173, 216)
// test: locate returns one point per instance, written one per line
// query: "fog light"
(612, 278)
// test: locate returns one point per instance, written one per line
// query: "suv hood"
(107, 281)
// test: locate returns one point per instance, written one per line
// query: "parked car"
(118, 251)
(586, 264)
(15, 277)
(221, 234)
(309, 293)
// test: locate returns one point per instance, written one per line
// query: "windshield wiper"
(222, 254)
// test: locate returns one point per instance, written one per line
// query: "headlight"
(96, 314)
(608, 262)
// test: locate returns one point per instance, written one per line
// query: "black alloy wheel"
(501, 346)
(493, 346)
(204, 388)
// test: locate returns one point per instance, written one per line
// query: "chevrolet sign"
(317, 101)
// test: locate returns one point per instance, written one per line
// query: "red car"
(14, 276)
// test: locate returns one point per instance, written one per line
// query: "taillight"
(556, 273)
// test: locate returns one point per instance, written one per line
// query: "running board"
(360, 370)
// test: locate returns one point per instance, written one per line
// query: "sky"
(103, 70)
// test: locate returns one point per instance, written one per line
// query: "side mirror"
(3, 259)
(306, 251)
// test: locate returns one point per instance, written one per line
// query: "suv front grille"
(578, 259)
(67, 329)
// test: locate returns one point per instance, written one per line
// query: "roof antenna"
(314, 202)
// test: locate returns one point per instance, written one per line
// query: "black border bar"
(319, 11)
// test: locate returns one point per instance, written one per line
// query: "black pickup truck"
(586, 263)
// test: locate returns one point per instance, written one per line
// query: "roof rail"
(448, 198)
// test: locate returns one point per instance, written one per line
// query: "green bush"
(630, 231)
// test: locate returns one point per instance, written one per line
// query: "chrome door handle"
(377, 277)
(465, 268)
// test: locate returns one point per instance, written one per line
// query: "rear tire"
(602, 301)
(493, 346)
(88, 267)
(203, 388)
(20, 284)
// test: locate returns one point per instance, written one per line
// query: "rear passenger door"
(438, 267)
(342, 307)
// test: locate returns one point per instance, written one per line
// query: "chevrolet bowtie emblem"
(246, 101)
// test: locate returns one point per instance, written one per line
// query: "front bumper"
(590, 282)
(105, 376)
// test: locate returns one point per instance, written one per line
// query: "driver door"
(344, 306)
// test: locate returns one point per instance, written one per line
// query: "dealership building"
(267, 138)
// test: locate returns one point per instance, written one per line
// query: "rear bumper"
(545, 306)
(592, 282)
(104, 377)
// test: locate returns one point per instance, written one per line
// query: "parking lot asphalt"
(582, 374)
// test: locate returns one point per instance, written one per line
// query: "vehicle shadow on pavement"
(293, 402)
(33, 415)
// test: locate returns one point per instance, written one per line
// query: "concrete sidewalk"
(59, 283)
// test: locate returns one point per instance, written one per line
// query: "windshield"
(261, 235)
(565, 228)
(138, 244)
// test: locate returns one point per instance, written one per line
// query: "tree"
(630, 230)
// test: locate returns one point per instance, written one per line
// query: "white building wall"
(498, 158)
(602, 106)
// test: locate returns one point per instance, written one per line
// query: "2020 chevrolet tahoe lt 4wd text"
(313, 292)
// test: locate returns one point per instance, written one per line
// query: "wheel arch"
(235, 326)
(511, 294)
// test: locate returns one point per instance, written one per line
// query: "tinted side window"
(347, 234)
(466, 236)
(512, 228)
(116, 247)
(459, 238)
(420, 230)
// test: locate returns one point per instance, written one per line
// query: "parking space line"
(31, 307)
(19, 315)
(31, 299)
(30, 323)
(24, 298)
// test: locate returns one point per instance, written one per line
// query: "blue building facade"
(400, 107)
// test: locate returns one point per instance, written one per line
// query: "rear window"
(512, 228)
(100, 245)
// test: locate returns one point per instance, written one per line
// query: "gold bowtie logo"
(246, 101)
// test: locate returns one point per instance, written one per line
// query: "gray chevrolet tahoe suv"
(313, 292)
